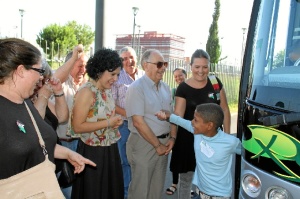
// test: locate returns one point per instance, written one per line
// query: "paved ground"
(233, 125)
(168, 181)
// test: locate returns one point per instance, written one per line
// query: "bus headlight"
(277, 193)
(251, 185)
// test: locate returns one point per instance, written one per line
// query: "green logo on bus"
(277, 145)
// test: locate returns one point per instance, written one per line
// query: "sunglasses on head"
(159, 64)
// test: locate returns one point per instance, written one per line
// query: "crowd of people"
(113, 122)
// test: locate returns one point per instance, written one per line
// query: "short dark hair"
(102, 60)
(211, 112)
(199, 53)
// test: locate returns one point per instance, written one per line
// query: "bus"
(269, 104)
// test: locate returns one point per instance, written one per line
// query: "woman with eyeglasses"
(20, 150)
(50, 87)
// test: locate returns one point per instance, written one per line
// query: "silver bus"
(269, 104)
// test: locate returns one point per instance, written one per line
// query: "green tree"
(278, 59)
(84, 34)
(55, 40)
(213, 45)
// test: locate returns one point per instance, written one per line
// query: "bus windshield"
(276, 67)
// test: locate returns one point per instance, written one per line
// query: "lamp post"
(244, 31)
(135, 11)
(22, 11)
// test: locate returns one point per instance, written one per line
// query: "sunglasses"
(160, 64)
(39, 70)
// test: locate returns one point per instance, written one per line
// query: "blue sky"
(189, 18)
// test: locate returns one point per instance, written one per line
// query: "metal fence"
(228, 74)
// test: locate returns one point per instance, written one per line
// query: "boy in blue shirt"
(214, 149)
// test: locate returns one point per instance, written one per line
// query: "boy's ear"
(210, 126)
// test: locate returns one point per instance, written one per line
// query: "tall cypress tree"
(213, 45)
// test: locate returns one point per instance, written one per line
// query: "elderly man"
(128, 74)
(150, 139)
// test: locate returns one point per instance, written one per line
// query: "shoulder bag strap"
(41, 141)
(214, 83)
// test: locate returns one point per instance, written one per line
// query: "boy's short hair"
(211, 112)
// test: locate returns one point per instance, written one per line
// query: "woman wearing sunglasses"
(20, 149)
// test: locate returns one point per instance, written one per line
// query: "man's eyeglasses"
(159, 64)
(39, 70)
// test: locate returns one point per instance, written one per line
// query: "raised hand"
(45, 91)
(55, 85)
(77, 51)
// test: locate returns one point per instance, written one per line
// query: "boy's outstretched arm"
(166, 115)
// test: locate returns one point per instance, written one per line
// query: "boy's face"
(200, 127)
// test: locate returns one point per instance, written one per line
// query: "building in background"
(171, 46)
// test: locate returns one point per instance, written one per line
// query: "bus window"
(275, 76)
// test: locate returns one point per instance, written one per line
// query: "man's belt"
(163, 136)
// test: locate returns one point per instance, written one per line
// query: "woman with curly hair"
(93, 119)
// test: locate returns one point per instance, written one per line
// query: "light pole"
(244, 31)
(22, 11)
(135, 11)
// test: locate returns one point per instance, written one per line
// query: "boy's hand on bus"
(163, 115)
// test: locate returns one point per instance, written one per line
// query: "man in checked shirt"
(128, 74)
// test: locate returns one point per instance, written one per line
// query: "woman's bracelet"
(157, 146)
(59, 95)
(108, 124)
